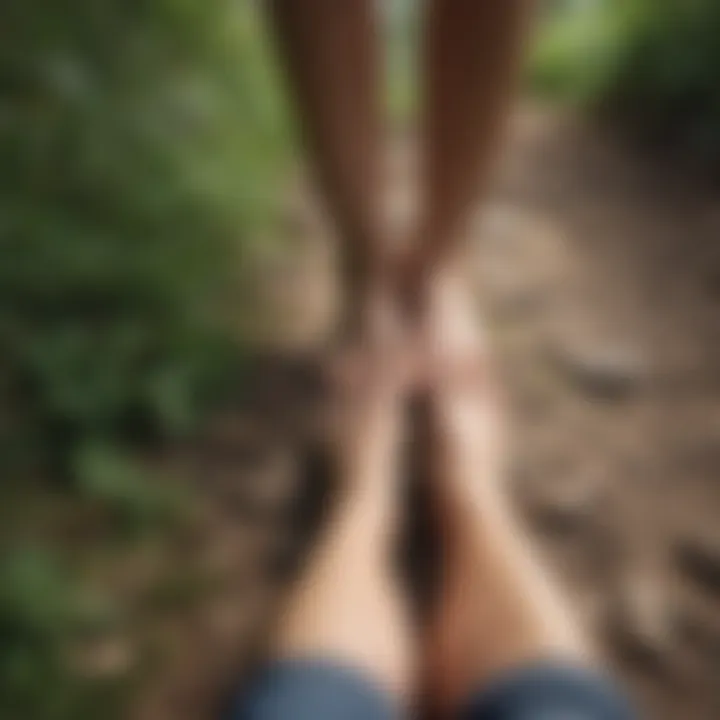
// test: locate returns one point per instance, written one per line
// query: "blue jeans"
(323, 690)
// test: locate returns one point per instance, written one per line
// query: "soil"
(598, 273)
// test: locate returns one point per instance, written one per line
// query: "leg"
(472, 56)
(331, 55)
(502, 621)
(347, 606)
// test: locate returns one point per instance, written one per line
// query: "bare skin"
(472, 56)
(348, 605)
(499, 607)
(331, 55)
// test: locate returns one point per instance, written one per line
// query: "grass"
(649, 66)
(141, 145)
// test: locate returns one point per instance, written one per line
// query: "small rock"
(272, 487)
(266, 489)
(698, 558)
(640, 620)
(511, 294)
(699, 623)
(603, 372)
(567, 506)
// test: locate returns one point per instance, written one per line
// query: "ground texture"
(599, 276)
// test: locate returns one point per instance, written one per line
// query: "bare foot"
(347, 604)
(497, 609)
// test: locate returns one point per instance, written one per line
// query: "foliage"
(137, 141)
(577, 51)
(39, 614)
(136, 502)
(653, 63)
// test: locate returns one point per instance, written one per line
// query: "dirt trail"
(600, 275)
(600, 279)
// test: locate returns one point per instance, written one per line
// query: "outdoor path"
(599, 276)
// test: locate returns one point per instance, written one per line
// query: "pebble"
(566, 507)
(264, 489)
(699, 622)
(640, 619)
(602, 372)
(275, 484)
(698, 558)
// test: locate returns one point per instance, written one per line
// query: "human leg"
(343, 645)
(472, 54)
(504, 642)
(331, 55)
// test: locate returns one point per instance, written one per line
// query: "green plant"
(652, 64)
(669, 73)
(138, 143)
(136, 500)
(39, 615)
(575, 54)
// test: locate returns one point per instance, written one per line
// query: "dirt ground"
(599, 276)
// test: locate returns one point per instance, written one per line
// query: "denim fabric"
(314, 690)
(548, 691)
(324, 690)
